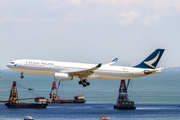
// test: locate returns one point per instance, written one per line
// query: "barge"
(13, 102)
(77, 99)
(25, 105)
(123, 102)
(54, 98)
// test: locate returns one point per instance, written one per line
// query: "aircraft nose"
(9, 65)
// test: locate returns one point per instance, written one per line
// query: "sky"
(89, 31)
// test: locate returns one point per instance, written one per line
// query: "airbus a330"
(66, 71)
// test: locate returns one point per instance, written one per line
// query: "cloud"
(127, 11)
(74, 1)
(52, 0)
(149, 19)
(138, 17)
(166, 7)
(128, 18)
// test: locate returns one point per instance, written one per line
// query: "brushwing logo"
(149, 63)
(115, 60)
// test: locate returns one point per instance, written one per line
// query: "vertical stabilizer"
(152, 60)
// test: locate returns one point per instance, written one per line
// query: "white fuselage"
(52, 67)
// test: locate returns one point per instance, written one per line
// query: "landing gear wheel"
(84, 81)
(80, 82)
(88, 83)
(84, 85)
(22, 75)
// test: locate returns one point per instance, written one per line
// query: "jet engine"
(63, 77)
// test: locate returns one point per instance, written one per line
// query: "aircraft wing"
(113, 61)
(85, 73)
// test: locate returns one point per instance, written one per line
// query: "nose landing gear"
(84, 82)
(22, 76)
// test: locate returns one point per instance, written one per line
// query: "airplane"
(66, 71)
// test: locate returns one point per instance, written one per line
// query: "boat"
(13, 102)
(28, 118)
(30, 89)
(125, 105)
(54, 98)
(41, 102)
(77, 99)
(104, 118)
(123, 101)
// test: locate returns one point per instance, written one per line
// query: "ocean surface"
(157, 97)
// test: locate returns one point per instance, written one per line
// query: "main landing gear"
(84, 82)
(22, 76)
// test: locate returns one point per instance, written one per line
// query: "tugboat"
(79, 99)
(13, 102)
(104, 118)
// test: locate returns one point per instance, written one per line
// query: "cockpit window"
(12, 62)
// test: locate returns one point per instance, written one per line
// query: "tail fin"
(152, 60)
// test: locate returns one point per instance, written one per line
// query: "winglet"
(112, 62)
(115, 60)
(99, 65)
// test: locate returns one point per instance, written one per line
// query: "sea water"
(156, 97)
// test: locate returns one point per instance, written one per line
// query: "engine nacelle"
(62, 77)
